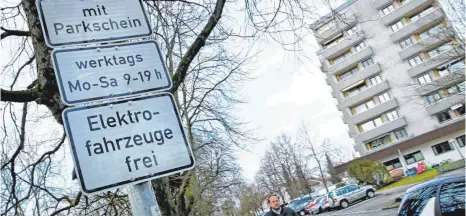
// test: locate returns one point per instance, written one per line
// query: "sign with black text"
(111, 71)
(127, 142)
(67, 22)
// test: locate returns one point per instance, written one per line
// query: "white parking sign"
(67, 22)
(111, 71)
(127, 143)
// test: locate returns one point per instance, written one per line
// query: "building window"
(326, 26)
(367, 63)
(415, 61)
(375, 80)
(392, 115)
(414, 17)
(421, 14)
(426, 11)
(413, 157)
(352, 30)
(406, 43)
(388, 9)
(356, 89)
(440, 49)
(436, 96)
(461, 87)
(430, 32)
(349, 73)
(340, 58)
(370, 124)
(457, 65)
(397, 26)
(458, 109)
(384, 97)
(424, 79)
(442, 148)
(379, 142)
(359, 47)
(442, 71)
(363, 107)
(460, 140)
(400, 134)
(332, 42)
(443, 116)
(392, 164)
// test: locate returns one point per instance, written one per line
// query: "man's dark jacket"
(285, 211)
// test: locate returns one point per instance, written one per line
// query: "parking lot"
(373, 207)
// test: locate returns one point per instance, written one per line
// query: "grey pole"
(142, 200)
(457, 147)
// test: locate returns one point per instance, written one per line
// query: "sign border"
(61, 88)
(135, 180)
(82, 42)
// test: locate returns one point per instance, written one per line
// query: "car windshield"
(414, 202)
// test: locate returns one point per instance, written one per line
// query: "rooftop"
(328, 16)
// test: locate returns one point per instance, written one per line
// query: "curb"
(392, 207)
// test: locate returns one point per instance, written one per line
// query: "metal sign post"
(142, 200)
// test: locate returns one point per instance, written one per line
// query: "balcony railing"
(386, 127)
(430, 19)
(454, 75)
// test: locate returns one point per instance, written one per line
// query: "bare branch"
(8, 32)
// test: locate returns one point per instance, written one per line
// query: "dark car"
(299, 205)
(439, 197)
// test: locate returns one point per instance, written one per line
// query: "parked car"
(344, 196)
(316, 206)
(299, 205)
(438, 197)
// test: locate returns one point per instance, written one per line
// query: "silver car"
(344, 196)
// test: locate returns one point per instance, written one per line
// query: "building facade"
(397, 72)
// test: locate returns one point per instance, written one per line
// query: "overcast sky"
(283, 96)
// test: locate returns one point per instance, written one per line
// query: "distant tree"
(331, 170)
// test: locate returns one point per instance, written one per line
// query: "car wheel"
(370, 194)
(302, 213)
(344, 204)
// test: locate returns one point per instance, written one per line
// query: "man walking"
(275, 208)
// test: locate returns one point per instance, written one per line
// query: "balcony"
(451, 78)
(364, 95)
(392, 143)
(407, 9)
(428, 20)
(379, 4)
(446, 103)
(426, 44)
(343, 45)
(342, 24)
(374, 111)
(364, 74)
(436, 61)
(450, 122)
(349, 62)
(383, 129)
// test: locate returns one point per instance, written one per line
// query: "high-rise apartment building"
(397, 72)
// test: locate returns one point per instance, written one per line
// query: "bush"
(369, 172)
(340, 184)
